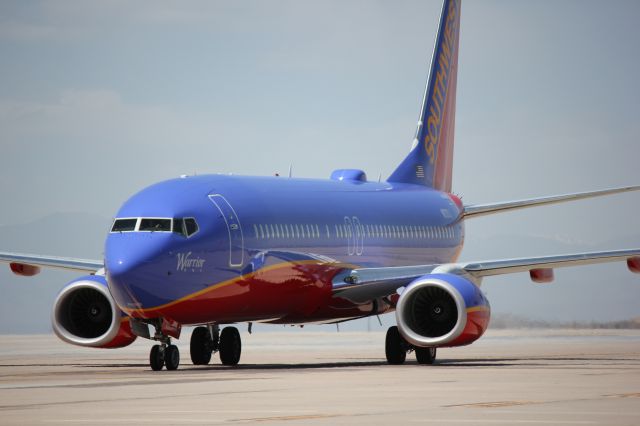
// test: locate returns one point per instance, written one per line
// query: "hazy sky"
(99, 99)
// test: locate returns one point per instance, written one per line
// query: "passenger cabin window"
(155, 225)
(124, 225)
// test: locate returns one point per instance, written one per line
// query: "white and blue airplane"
(215, 250)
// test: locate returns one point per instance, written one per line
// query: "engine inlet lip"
(68, 337)
(417, 339)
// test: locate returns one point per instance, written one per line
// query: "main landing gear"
(396, 349)
(204, 341)
(207, 340)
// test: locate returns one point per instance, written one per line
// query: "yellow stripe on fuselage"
(481, 308)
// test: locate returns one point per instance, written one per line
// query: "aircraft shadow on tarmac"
(531, 362)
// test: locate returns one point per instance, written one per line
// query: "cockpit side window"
(191, 226)
(155, 225)
(124, 225)
(186, 227)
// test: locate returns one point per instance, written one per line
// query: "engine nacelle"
(442, 310)
(85, 314)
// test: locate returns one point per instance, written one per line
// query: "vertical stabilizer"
(430, 161)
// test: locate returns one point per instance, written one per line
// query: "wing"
(28, 264)
(360, 285)
(484, 209)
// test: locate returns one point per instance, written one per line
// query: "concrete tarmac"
(556, 377)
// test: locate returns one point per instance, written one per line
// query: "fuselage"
(268, 248)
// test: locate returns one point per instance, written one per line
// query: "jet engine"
(442, 310)
(85, 314)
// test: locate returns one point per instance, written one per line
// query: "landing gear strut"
(396, 349)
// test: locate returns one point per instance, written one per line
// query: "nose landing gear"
(164, 355)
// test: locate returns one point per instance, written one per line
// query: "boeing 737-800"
(214, 250)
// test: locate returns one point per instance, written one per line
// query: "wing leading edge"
(19, 261)
(360, 285)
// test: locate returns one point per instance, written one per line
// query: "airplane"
(215, 250)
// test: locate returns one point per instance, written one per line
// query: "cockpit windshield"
(183, 226)
(124, 225)
(155, 225)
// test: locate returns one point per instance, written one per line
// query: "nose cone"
(134, 264)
